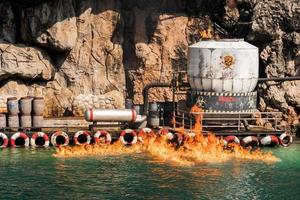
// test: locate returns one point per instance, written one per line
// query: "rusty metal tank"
(229, 65)
(2, 120)
(26, 105)
(25, 121)
(38, 106)
(37, 121)
(13, 106)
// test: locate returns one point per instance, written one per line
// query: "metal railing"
(227, 120)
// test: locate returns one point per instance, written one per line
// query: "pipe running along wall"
(146, 93)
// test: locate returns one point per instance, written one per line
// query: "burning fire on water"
(193, 150)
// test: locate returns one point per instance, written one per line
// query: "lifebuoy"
(250, 140)
(285, 139)
(166, 134)
(126, 132)
(145, 132)
(17, 135)
(179, 138)
(105, 134)
(78, 134)
(4, 140)
(163, 131)
(231, 139)
(269, 140)
(191, 134)
(41, 135)
(57, 136)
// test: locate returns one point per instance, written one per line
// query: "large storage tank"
(223, 74)
(229, 65)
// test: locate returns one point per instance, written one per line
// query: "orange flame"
(194, 150)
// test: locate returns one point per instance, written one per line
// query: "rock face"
(97, 53)
(7, 24)
(24, 62)
(51, 24)
(276, 25)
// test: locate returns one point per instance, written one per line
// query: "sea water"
(36, 174)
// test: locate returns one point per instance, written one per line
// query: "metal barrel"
(38, 106)
(13, 106)
(110, 115)
(2, 120)
(25, 121)
(128, 103)
(13, 121)
(153, 119)
(26, 105)
(37, 121)
(153, 107)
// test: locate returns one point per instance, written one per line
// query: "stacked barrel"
(13, 113)
(25, 110)
(38, 111)
(25, 113)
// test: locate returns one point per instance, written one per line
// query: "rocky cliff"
(79, 53)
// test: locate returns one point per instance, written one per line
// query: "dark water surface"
(35, 174)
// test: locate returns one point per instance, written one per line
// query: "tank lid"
(11, 98)
(27, 97)
(224, 44)
(38, 97)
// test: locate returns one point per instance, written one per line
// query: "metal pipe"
(110, 115)
(246, 124)
(146, 93)
(279, 79)
(140, 119)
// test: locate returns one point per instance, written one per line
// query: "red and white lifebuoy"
(163, 131)
(285, 139)
(250, 140)
(231, 139)
(179, 138)
(191, 134)
(79, 133)
(145, 132)
(4, 139)
(41, 135)
(269, 140)
(55, 138)
(166, 134)
(19, 135)
(105, 134)
(124, 133)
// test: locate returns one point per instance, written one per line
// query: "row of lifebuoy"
(60, 138)
(284, 139)
(24, 138)
(130, 137)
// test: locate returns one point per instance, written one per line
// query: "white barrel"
(12, 106)
(2, 120)
(26, 105)
(25, 121)
(13, 122)
(38, 106)
(110, 115)
(223, 66)
(37, 121)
